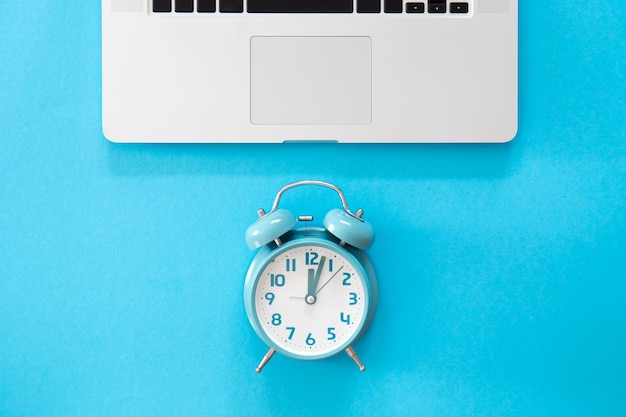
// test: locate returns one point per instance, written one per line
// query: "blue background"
(501, 267)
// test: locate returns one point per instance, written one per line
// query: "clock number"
(345, 318)
(277, 319)
(309, 340)
(331, 333)
(291, 331)
(291, 265)
(277, 280)
(353, 299)
(346, 278)
(270, 297)
(330, 265)
(310, 258)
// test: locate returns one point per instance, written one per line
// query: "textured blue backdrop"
(501, 268)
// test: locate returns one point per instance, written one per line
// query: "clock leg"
(350, 351)
(265, 359)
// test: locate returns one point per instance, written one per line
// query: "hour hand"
(310, 294)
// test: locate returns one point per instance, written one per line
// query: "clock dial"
(310, 300)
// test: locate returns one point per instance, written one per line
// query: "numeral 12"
(310, 258)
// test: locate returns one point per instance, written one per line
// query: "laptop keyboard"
(310, 6)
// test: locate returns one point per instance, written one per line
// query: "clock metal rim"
(312, 238)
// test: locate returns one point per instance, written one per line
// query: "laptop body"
(260, 71)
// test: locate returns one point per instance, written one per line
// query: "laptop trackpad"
(311, 80)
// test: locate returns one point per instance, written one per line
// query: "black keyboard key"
(459, 7)
(206, 6)
(231, 6)
(368, 6)
(436, 6)
(162, 6)
(415, 7)
(184, 6)
(300, 6)
(393, 6)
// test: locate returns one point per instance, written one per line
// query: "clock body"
(301, 322)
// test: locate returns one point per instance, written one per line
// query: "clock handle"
(333, 187)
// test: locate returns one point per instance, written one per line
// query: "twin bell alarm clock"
(310, 292)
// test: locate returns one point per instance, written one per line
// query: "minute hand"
(329, 279)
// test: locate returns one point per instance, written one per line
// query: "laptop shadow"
(394, 161)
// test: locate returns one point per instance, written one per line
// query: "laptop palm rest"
(310, 80)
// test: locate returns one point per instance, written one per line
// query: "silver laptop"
(309, 70)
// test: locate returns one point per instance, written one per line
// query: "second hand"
(329, 279)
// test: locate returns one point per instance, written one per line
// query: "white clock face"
(310, 300)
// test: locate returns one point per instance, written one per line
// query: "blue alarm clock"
(310, 292)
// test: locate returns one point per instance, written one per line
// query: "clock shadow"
(315, 388)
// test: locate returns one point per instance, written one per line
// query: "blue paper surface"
(501, 268)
